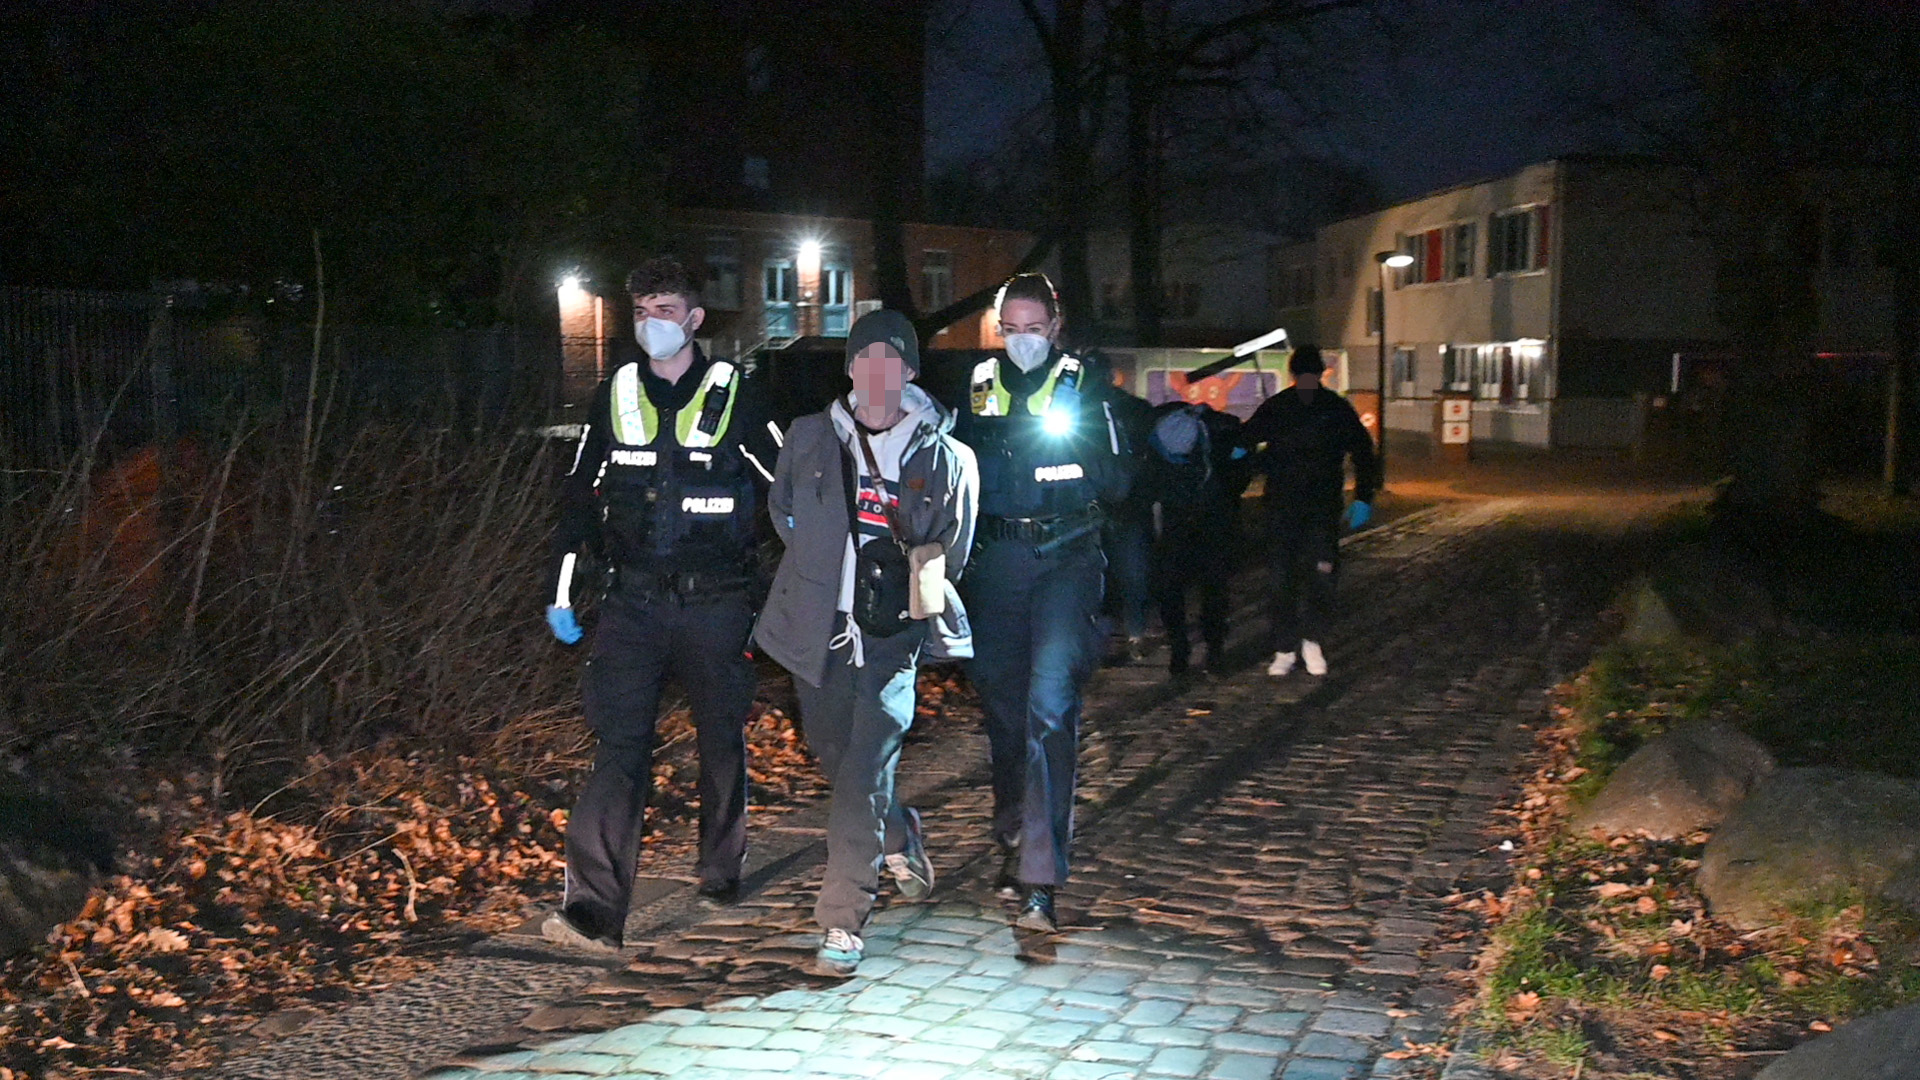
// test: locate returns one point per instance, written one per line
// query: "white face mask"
(661, 338)
(1028, 351)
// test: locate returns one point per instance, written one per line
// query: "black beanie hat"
(1306, 360)
(889, 328)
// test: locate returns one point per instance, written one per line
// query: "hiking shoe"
(1007, 883)
(1036, 912)
(911, 869)
(560, 929)
(1282, 664)
(839, 954)
(1315, 660)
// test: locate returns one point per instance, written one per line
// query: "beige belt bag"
(927, 588)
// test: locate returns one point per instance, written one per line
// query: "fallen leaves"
(369, 860)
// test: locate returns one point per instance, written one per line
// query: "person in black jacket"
(1301, 438)
(665, 489)
(1190, 481)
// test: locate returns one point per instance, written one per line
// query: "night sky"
(1452, 91)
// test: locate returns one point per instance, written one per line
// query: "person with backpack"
(875, 501)
(1190, 479)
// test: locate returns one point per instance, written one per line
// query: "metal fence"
(131, 369)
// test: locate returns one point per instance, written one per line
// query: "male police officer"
(664, 488)
(1050, 453)
(1303, 436)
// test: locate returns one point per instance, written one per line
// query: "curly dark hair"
(664, 274)
(1033, 286)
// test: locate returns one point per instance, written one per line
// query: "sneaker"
(1007, 883)
(720, 890)
(1136, 648)
(562, 930)
(839, 954)
(1036, 913)
(1282, 664)
(911, 869)
(1315, 660)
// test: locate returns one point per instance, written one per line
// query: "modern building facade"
(1569, 300)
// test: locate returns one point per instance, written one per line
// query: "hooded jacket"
(938, 493)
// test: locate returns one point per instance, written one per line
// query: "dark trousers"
(1035, 641)
(1127, 540)
(641, 641)
(1184, 561)
(1303, 560)
(856, 721)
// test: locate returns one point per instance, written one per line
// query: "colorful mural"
(1236, 392)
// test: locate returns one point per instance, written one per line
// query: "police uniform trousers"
(855, 721)
(1303, 560)
(1035, 641)
(1200, 559)
(642, 640)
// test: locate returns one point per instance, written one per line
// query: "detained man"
(875, 502)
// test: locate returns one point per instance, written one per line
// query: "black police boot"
(1007, 882)
(1036, 913)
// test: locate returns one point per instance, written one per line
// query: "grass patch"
(1603, 955)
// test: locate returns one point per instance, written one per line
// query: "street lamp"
(1388, 260)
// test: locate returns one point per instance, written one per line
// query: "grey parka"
(939, 495)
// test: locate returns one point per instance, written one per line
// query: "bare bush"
(258, 602)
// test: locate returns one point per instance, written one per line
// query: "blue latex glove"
(1358, 514)
(565, 626)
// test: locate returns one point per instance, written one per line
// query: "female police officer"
(1050, 454)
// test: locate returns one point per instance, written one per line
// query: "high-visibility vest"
(700, 423)
(992, 398)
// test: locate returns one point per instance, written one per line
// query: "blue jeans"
(1036, 639)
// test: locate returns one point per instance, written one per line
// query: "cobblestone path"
(1255, 893)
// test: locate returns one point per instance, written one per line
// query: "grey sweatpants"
(855, 723)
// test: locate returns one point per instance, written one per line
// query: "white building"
(1567, 298)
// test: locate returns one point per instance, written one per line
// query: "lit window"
(758, 72)
(1517, 241)
(1461, 241)
(722, 289)
(756, 174)
(936, 279)
(1403, 371)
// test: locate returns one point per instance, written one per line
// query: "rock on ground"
(1884, 1046)
(1687, 779)
(49, 861)
(1716, 591)
(1806, 835)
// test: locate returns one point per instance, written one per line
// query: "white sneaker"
(1315, 659)
(1282, 664)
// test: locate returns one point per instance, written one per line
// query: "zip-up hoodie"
(936, 482)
